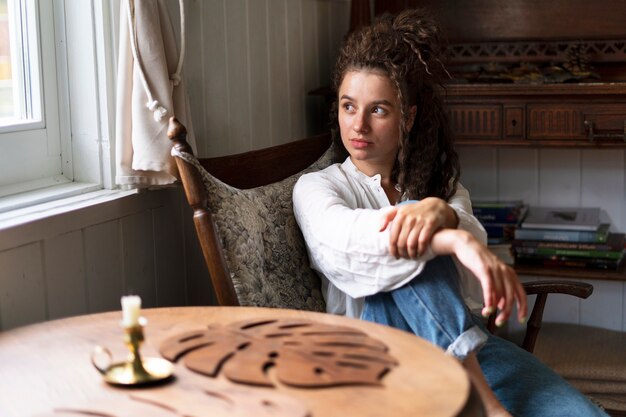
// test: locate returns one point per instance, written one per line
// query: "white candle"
(131, 304)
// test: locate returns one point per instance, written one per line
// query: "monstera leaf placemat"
(301, 353)
(209, 400)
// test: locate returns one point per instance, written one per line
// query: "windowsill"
(36, 205)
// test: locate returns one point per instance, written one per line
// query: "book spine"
(569, 262)
(560, 235)
(608, 246)
(569, 252)
(497, 218)
(510, 214)
(500, 230)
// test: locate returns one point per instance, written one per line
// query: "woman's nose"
(360, 123)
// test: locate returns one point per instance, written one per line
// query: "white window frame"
(25, 67)
(79, 38)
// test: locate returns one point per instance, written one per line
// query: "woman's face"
(369, 120)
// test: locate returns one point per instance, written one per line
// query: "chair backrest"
(243, 213)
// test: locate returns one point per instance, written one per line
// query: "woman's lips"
(359, 143)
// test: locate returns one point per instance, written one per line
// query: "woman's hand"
(501, 287)
(414, 225)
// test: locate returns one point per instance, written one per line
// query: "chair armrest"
(541, 289)
(575, 288)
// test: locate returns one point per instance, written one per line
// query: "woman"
(382, 227)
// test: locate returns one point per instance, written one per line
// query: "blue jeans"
(431, 307)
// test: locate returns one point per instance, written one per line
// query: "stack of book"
(568, 237)
(500, 220)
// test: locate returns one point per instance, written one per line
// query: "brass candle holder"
(135, 370)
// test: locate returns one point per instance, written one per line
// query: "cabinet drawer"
(549, 121)
(593, 122)
(605, 123)
(472, 121)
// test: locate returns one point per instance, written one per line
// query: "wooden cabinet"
(564, 115)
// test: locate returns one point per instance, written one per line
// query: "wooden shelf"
(579, 90)
(577, 273)
(585, 116)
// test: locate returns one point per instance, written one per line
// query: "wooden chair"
(280, 166)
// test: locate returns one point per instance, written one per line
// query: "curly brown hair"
(408, 48)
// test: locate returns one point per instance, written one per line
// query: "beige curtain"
(150, 90)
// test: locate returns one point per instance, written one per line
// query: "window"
(30, 140)
(57, 84)
(20, 93)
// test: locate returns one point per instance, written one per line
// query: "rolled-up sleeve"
(462, 205)
(345, 243)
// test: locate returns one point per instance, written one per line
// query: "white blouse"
(339, 211)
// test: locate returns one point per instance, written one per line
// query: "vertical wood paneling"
(478, 172)
(82, 268)
(65, 275)
(273, 56)
(297, 93)
(169, 253)
(310, 64)
(238, 82)
(559, 177)
(602, 175)
(259, 74)
(323, 41)
(279, 75)
(138, 257)
(194, 68)
(339, 23)
(216, 80)
(103, 261)
(22, 288)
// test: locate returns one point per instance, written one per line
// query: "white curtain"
(150, 90)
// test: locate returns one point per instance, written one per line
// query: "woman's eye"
(379, 110)
(348, 107)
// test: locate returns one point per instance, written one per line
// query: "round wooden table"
(46, 367)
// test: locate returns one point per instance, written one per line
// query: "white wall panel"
(258, 65)
(22, 287)
(605, 305)
(238, 78)
(518, 175)
(479, 172)
(65, 275)
(260, 59)
(137, 235)
(562, 308)
(104, 266)
(602, 180)
(215, 107)
(295, 52)
(324, 37)
(280, 111)
(194, 68)
(310, 64)
(559, 177)
(169, 254)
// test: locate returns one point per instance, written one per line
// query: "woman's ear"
(411, 120)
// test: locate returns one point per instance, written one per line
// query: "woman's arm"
(344, 242)
(414, 224)
(499, 282)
